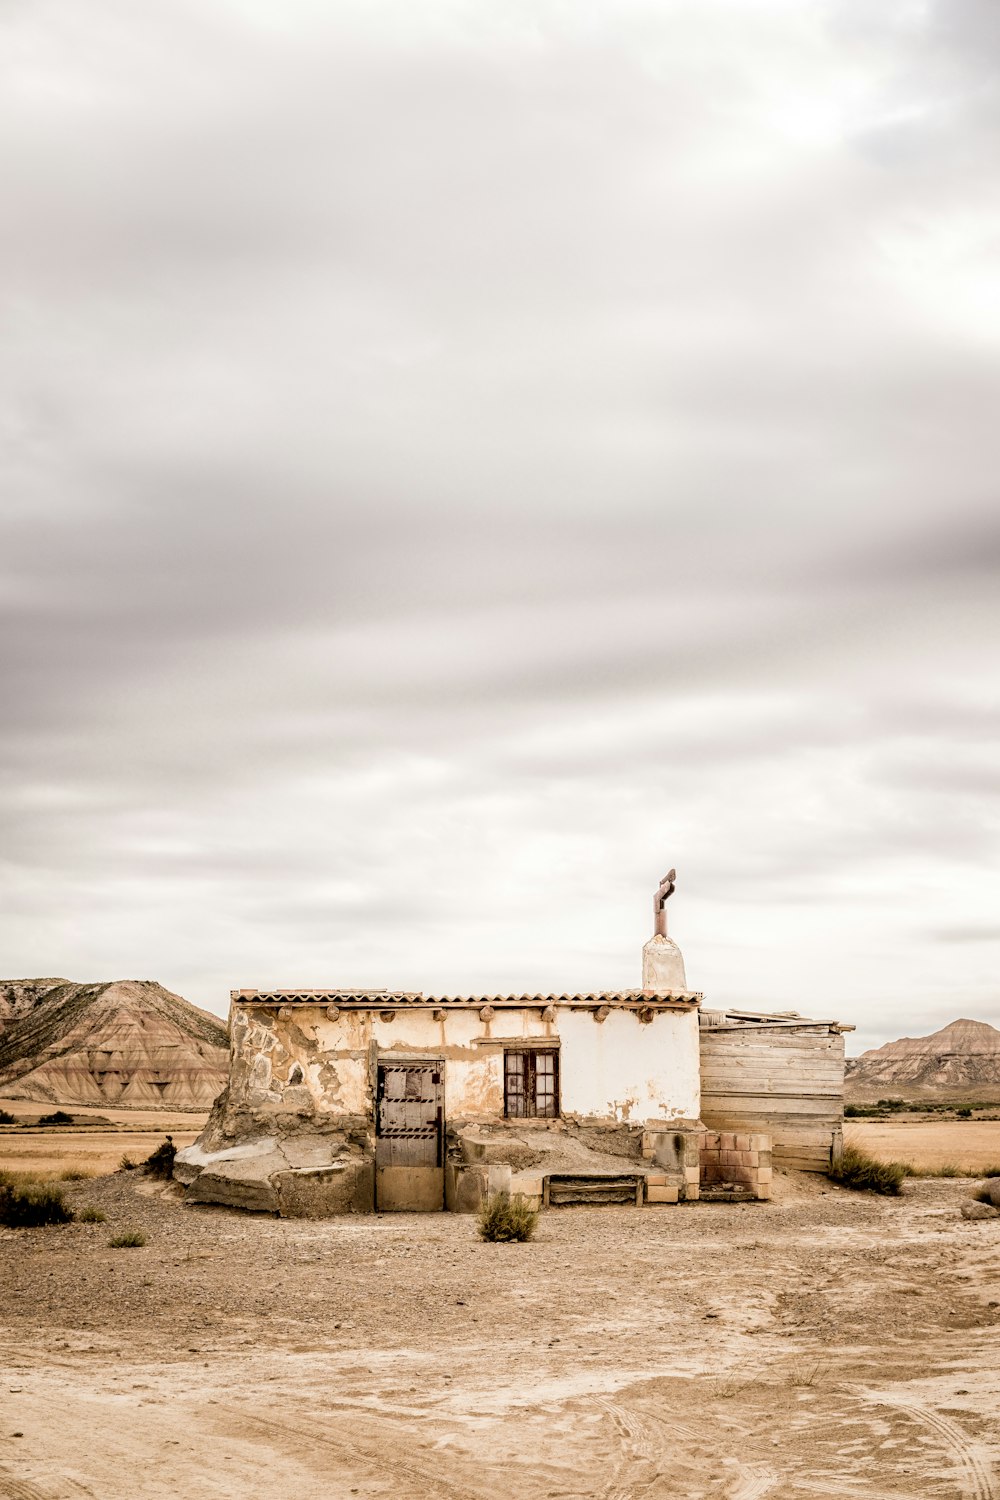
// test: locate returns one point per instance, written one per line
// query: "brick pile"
(735, 1164)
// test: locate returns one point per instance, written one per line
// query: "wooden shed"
(782, 1075)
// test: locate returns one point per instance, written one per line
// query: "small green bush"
(127, 1164)
(58, 1117)
(965, 1113)
(866, 1174)
(503, 1218)
(132, 1239)
(6, 1118)
(32, 1206)
(160, 1163)
(92, 1216)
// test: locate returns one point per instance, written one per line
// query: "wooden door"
(409, 1136)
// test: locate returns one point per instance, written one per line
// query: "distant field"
(970, 1144)
(98, 1149)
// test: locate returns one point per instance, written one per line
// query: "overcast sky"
(461, 459)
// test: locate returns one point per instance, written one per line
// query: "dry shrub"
(866, 1174)
(503, 1219)
(160, 1163)
(33, 1206)
(132, 1239)
(74, 1174)
(90, 1215)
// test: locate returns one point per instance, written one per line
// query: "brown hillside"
(130, 1042)
(962, 1058)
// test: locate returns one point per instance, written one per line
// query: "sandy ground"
(969, 1144)
(827, 1344)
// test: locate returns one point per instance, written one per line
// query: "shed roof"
(396, 999)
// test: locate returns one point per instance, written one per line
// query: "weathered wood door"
(409, 1136)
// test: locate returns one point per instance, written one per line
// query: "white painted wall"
(618, 1069)
(623, 1069)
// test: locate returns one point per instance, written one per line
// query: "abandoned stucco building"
(347, 1101)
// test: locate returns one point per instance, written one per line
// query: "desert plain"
(825, 1344)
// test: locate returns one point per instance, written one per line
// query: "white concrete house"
(347, 1101)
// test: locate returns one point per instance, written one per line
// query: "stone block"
(321, 1192)
(692, 1192)
(656, 1179)
(974, 1210)
(692, 1175)
(752, 1158)
(742, 1143)
(764, 1174)
(727, 1140)
(465, 1187)
(763, 1190)
(662, 1194)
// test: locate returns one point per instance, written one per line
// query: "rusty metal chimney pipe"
(664, 892)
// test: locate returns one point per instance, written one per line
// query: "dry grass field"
(970, 1145)
(95, 1149)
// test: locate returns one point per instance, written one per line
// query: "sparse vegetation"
(503, 1219)
(74, 1174)
(57, 1117)
(6, 1118)
(32, 1206)
(160, 1163)
(857, 1169)
(993, 1171)
(91, 1215)
(962, 1109)
(127, 1164)
(131, 1239)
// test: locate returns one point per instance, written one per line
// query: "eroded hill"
(962, 1059)
(125, 1043)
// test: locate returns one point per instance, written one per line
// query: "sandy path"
(826, 1345)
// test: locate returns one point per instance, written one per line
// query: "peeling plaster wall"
(628, 1070)
(619, 1068)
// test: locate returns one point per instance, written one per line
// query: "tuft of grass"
(993, 1171)
(866, 1174)
(160, 1163)
(74, 1174)
(33, 1206)
(58, 1117)
(92, 1215)
(127, 1164)
(503, 1219)
(132, 1239)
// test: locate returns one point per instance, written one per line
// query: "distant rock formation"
(127, 1043)
(962, 1058)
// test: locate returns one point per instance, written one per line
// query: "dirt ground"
(969, 1144)
(826, 1344)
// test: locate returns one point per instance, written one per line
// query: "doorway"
(409, 1136)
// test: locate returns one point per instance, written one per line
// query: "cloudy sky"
(461, 458)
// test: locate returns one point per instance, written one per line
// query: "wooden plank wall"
(781, 1080)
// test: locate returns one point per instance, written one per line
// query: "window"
(531, 1084)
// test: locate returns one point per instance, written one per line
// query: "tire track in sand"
(978, 1473)
(429, 1483)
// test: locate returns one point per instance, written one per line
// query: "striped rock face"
(127, 1043)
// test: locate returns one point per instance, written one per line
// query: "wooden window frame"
(530, 1094)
